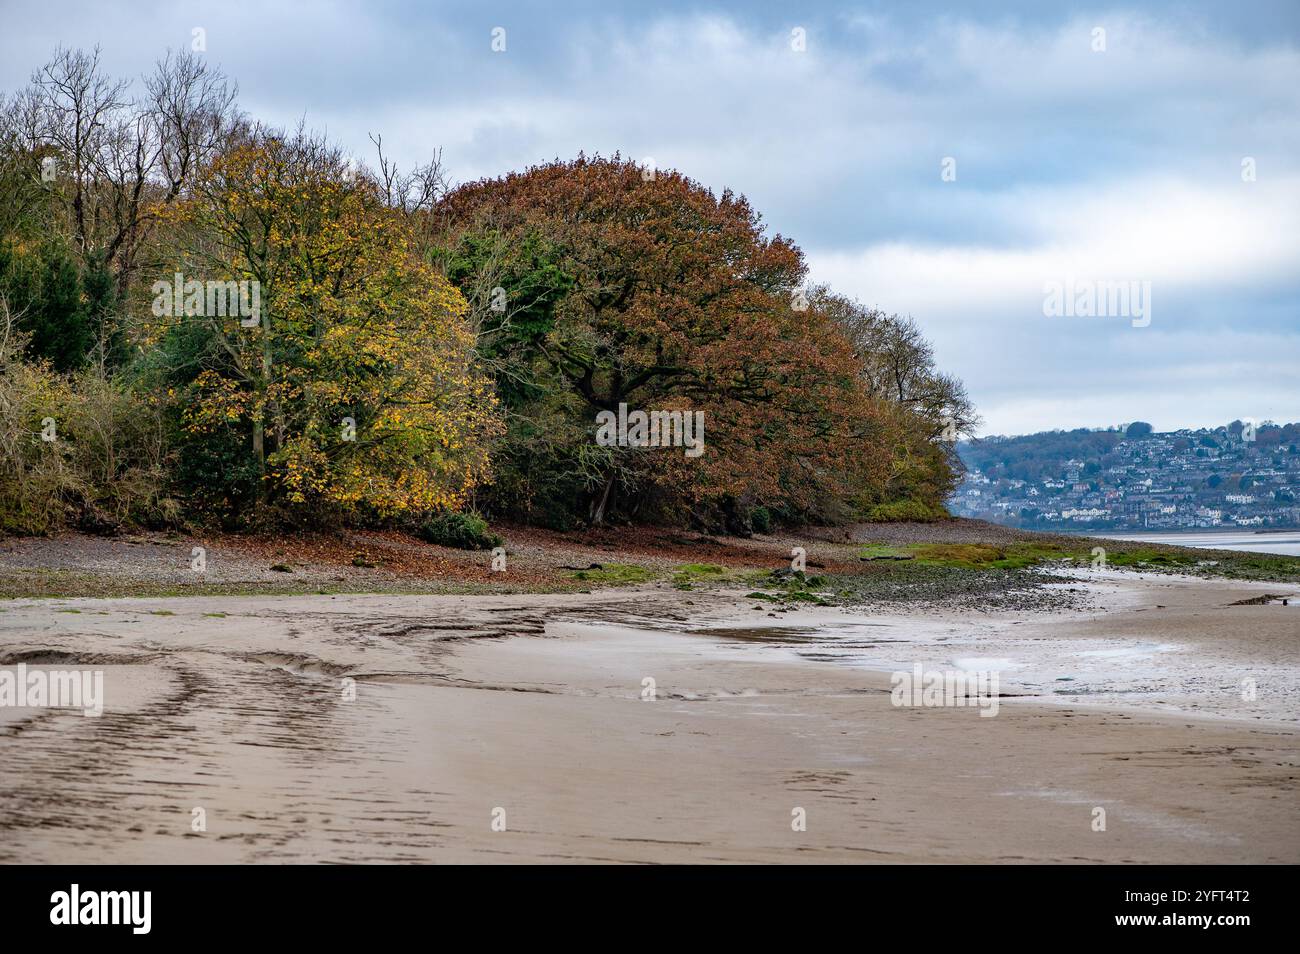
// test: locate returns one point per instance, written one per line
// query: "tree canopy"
(320, 339)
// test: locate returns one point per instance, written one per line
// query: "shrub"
(898, 510)
(760, 519)
(106, 463)
(463, 531)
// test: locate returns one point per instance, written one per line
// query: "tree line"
(415, 348)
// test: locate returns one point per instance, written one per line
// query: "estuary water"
(1283, 542)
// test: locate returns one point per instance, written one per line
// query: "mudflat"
(651, 725)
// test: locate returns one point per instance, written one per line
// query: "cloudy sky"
(1077, 155)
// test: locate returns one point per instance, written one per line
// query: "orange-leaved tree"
(613, 285)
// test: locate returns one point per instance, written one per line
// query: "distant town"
(1133, 478)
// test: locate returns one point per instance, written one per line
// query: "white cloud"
(1181, 236)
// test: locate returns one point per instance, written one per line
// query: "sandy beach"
(521, 728)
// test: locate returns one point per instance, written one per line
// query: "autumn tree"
(928, 410)
(604, 284)
(349, 382)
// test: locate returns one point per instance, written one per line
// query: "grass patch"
(1119, 554)
(971, 556)
(614, 573)
(883, 551)
(688, 574)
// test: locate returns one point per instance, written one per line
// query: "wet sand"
(529, 711)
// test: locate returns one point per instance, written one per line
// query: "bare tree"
(191, 106)
(415, 191)
(123, 158)
(80, 111)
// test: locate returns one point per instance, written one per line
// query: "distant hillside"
(1238, 475)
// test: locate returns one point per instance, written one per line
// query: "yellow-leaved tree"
(309, 348)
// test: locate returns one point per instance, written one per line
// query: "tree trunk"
(259, 445)
(598, 506)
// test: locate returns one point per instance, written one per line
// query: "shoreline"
(913, 563)
(533, 704)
